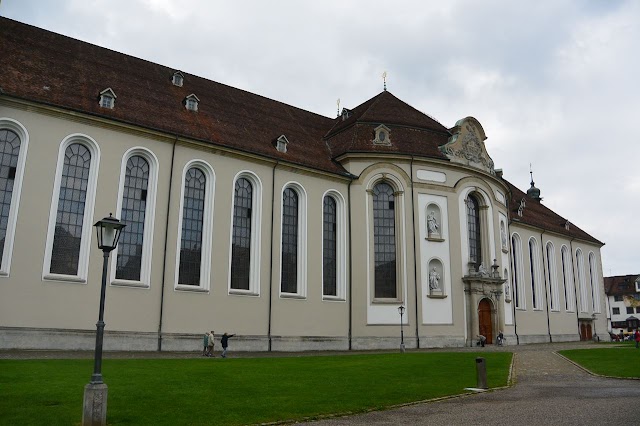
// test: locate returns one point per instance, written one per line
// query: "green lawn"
(236, 391)
(618, 361)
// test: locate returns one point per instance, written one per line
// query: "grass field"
(617, 361)
(236, 391)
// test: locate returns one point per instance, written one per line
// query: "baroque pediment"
(466, 146)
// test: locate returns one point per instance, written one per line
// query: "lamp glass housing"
(108, 231)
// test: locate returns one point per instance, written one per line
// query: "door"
(589, 333)
(583, 332)
(484, 320)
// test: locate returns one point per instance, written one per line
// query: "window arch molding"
(341, 246)
(536, 280)
(593, 277)
(149, 220)
(301, 259)
(584, 306)
(517, 272)
(255, 242)
(400, 237)
(207, 227)
(552, 276)
(567, 278)
(7, 250)
(87, 223)
(487, 246)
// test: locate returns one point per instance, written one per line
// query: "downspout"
(546, 295)
(575, 287)
(273, 186)
(350, 266)
(512, 256)
(166, 237)
(415, 259)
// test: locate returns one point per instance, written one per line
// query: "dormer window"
(107, 98)
(177, 79)
(382, 133)
(191, 102)
(281, 143)
(346, 113)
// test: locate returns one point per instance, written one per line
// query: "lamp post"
(94, 407)
(401, 309)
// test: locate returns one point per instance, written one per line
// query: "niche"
(434, 223)
(435, 278)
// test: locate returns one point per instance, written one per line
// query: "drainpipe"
(273, 195)
(513, 273)
(350, 266)
(415, 258)
(546, 295)
(166, 234)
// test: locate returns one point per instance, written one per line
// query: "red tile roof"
(538, 215)
(615, 286)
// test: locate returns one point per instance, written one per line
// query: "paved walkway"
(548, 390)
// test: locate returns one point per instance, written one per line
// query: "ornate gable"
(466, 145)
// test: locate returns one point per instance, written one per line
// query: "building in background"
(623, 302)
(293, 230)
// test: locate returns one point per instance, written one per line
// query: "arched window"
(384, 236)
(534, 268)
(194, 235)
(551, 276)
(241, 238)
(582, 285)
(329, 247)
(567, 280)
(69, 236)
(133, 214)
(516, 271)
(473, 226)
(293, 266)
(595, 291)
(11, 166)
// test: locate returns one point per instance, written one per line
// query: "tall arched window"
(516, 271)
(133, 214)
(534, 267)
(473, 226)
(551, 276)
(293, 262)
(567, 280)
(241, 238)
(593, 277)
(384, 240)
(71, 214)
(194, 235)
(329, 247)
(10, 145)
(584, 304)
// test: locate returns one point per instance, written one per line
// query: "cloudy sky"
(555, 83)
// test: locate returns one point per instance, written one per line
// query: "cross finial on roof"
(384, 80)
(338, 103)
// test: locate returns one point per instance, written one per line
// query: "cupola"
(533, 192)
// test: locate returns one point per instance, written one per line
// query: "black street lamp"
(94, 410)
(401, 309)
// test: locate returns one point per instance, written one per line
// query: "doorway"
(484, 320)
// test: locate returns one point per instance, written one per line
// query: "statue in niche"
(503, 235)
(434, 279)
(432, 224)
(482, 271)
(507, 292)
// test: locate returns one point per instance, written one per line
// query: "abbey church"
(292, 230)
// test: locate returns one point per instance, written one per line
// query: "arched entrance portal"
(484, 320)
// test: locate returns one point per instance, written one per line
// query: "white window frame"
(149, 218)
(595, 289)
(552, 275)
(87, 222)
(301, 285)
(256, 232)
(21, 131)
(584, 303)
(341, 248)
(518, 272)
(107, 95)
(207, 228)
(569, 291)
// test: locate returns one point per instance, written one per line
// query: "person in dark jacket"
(225, 343)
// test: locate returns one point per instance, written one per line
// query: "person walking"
(225, 343)
(210, 337)
(637, 336)
(205, 343)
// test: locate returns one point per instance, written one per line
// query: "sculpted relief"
(466, 146)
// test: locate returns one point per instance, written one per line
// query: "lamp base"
(402, 349)
(94, 405)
